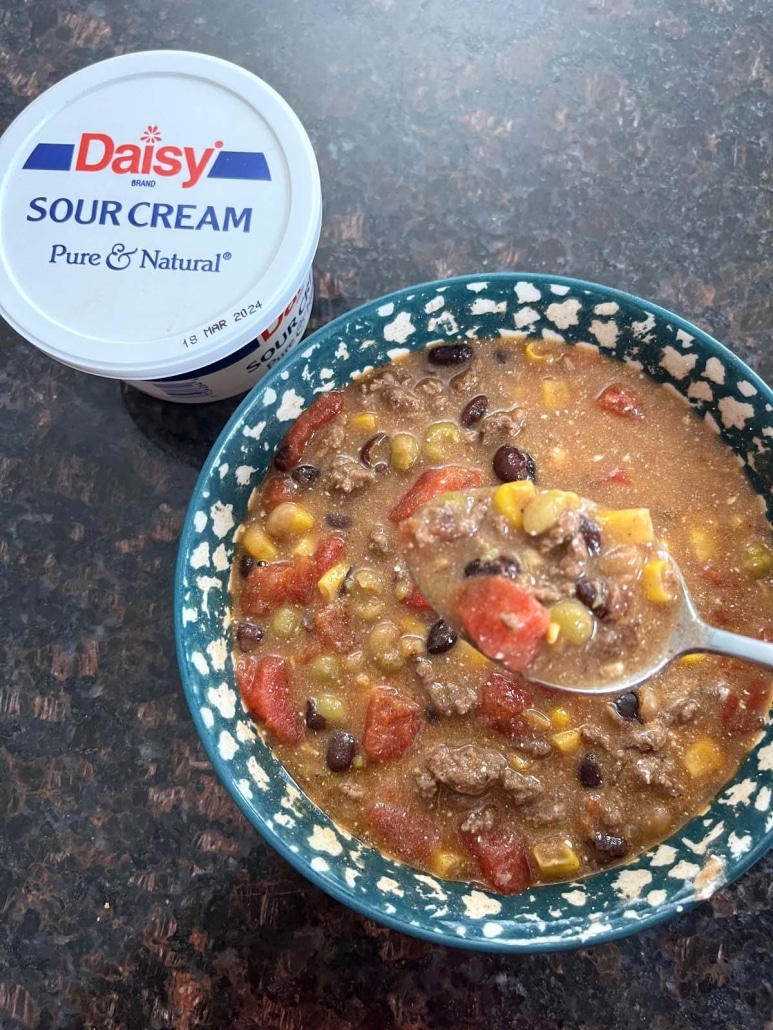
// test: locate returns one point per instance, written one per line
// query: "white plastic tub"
(159, 214)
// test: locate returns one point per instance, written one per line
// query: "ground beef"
(478, 820)
(535, 747)
(379, 541)
(633, 736)
(331, 438)
(521, 788)
(545, 594)
(544, 814)
(347, 474)
(445, 523)
(352, 790)
(452, 698)
(471, 771)
(682, 711)
(390, 386)
(425, 670)
(501, 426)
(566, 529)
(468, 380)
(430, 387)
(656, 771)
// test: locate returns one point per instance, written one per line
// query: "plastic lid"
(153, 208)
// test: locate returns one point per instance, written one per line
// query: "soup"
(402, 732)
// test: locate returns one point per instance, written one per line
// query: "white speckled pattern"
(711, 850)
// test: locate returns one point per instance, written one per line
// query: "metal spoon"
(690, 635)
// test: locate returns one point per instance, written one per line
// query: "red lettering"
(82, 162)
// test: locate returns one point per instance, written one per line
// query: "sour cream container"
(159, 214)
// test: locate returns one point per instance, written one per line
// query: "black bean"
(589, 771)
(511, 464)
(627, 705)
(441, 637)
(246, 564)
(502, 565)
(610, 846)
(283, 459)
(337, 520)
(431, 714)
(314, 719)
(248, 635)
(594, 594)
(590, 531)
(474, 411)
(501, 356)
(340, 751)
(369, 453)
(450, 354)
(305, 474)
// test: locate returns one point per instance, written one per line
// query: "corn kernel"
(363, 681)
(257, 544)
(403, 589)
(556, 394)
(692, 659)
(363, 420)
(439, 438)
(704, 758)
(704, 543)
(537, 720)
(410, 624)
(556, 859)
(567, 741)
(330, 583)
(560, 717)
(543, 352)
(305, 547)
(626, 525)
(553, 633)
(519, 763)
(659, 581)
(510, 500)
(359, 762)
(444, 863)
(289, 519)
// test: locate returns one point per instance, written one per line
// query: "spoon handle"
(734, 645)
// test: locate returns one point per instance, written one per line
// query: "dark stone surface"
(619, 140)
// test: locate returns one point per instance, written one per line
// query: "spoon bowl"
(442, 543)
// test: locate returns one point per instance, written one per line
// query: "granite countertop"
(625, 141)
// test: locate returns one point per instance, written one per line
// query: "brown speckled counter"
(625, 141)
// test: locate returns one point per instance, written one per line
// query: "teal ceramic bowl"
(709, 852)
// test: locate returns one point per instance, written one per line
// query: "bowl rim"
(660, 914)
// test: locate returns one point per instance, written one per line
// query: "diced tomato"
(431, 484)
(334, 629)
(265, 685)
(278, 490)
(321, 412)
(503, 699)
(279, 582)
(503, 859)
(392, 723)
(503, 620)
(416, 601)
(616, 475)
(408, 836)
(329, 551)
(745, 710)
(620, 400)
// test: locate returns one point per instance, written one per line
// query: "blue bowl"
(709, 852)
